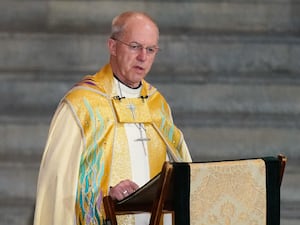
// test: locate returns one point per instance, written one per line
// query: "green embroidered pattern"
(89, 195)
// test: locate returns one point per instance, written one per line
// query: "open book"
(144, 196)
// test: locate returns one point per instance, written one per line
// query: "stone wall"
(229, 68)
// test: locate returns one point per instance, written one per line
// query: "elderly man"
(110, 134)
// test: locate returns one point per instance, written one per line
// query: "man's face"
(132, 63)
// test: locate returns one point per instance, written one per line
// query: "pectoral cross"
(131, 107)
(142, 139)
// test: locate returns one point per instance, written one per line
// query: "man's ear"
(111, 46)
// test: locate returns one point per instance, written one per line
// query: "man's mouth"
(139, 68)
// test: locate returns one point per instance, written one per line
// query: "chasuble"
(88, 149)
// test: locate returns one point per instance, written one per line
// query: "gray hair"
(119, 22)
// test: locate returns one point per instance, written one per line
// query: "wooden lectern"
(224, 192)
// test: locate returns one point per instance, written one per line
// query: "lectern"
(223, 192)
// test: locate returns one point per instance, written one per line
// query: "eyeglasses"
(137, 47)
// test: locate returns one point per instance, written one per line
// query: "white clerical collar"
(125, 91)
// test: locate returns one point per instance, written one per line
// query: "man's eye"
(150, 49)
(135, 47)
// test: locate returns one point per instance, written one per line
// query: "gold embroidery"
(228, 193)
(131, 110)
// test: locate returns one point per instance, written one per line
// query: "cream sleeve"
(57, 181)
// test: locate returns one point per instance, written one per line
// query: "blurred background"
(230, 70)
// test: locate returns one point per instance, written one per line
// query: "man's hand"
(123, 189)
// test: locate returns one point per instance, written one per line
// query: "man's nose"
(142, 54)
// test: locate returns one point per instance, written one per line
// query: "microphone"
(118, 97)
(144, 97)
